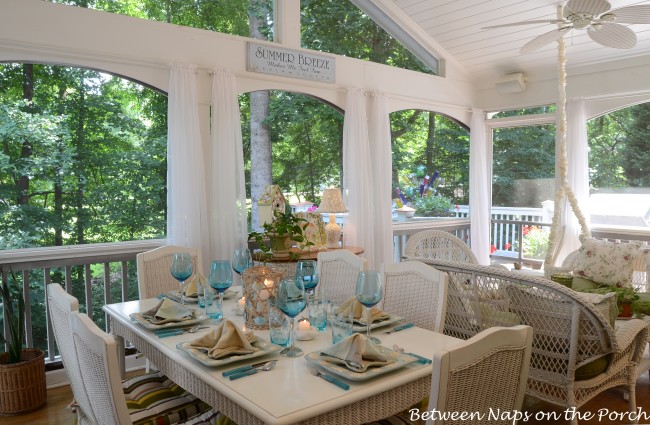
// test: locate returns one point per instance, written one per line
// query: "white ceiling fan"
(602, 24)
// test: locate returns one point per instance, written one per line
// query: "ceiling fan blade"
(613, 35)
(632, 15)
(553, 21)
(543, 40)
(592, 7)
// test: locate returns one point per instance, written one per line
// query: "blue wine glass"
(181, 269)
(307, 272)
(369, 293)
(291, 300)
(241, 259)
(220, 279)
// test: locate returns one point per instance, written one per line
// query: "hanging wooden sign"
(290, 63)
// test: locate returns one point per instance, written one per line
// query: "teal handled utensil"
(243, 369)
(421, 359)
(401, 328)
(329, 378)
(163, 333)
(265, 368)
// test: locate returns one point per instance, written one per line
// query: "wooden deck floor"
(56, 412)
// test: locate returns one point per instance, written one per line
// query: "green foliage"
(15, 322)
(283, 224)
(535, 241)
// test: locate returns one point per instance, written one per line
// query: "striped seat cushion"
(211, 417)
(154, 399)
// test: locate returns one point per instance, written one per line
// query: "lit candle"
(242, 302)
(268, 283)
(304, 325)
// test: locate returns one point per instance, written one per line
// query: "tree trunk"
(58, 177)
(431, 141)
(22, 181)
(79, 158)
(261, 159)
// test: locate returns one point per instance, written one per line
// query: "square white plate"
(358, 327)
(198, 317)
(264, 346)
(400, 360)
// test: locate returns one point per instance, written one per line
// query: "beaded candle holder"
(259, 285)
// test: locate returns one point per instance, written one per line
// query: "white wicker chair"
(466, 378)
(61, 306)
(577, 352)
(338, 271)
(438, 244)
(147, 397)
(154, 277)
(417, 292)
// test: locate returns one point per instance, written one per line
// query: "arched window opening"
(291, 140)
(430, 170)
(619, 167)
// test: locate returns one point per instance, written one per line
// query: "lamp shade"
(332, 201)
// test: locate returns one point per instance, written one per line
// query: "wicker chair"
(417, 292)
(150, 397)
(577, 352)
(438, 244)
(338, 271)
(154, 277)
(61, 306)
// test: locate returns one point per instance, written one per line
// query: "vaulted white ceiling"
(455, 30)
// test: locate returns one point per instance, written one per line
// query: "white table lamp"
(332, 203)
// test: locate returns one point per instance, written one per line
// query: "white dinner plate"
(264, 346)
(359, 327)
(197, 317)
(399, 360)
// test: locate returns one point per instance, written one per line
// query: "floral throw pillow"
(607, 263)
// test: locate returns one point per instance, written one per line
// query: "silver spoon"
(268, 366)
(349, 363)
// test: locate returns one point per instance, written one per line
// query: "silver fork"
(328, 378)
(421, 359)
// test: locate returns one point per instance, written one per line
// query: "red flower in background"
(526, 229)
(507, 246)
(492, 249)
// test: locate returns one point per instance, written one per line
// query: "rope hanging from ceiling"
(563, 190)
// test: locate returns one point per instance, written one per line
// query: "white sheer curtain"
(187, 222)
(380, 141)
(577, 174)
(358, 195)
(479, 188)
(228, 221)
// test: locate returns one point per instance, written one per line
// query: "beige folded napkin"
(191, 288)
(359, 313)
(226, 340)
(357, 353)
(167, 311)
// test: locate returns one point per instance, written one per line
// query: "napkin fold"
(191, 288)
(359, 313)
(226, 340)
(356, 350)
(167, 311)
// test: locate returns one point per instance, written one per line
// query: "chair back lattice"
(154, 277)
(99, 365)
(338, 271)
(61, 307)
(438, 244)
(465, 377)
(417, 292)
(568, 331)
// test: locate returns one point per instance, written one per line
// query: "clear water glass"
(342, 324)
(181, 270)
(278, 325)
(318, 308)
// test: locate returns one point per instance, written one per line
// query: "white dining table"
(289, 393)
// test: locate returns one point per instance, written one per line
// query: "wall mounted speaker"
(511, 83)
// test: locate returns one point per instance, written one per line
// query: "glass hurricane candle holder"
(259, 286)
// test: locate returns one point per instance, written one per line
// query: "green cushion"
(491, 316)
(581, 283)
(592, 369)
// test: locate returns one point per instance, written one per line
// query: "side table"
(288, 264)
